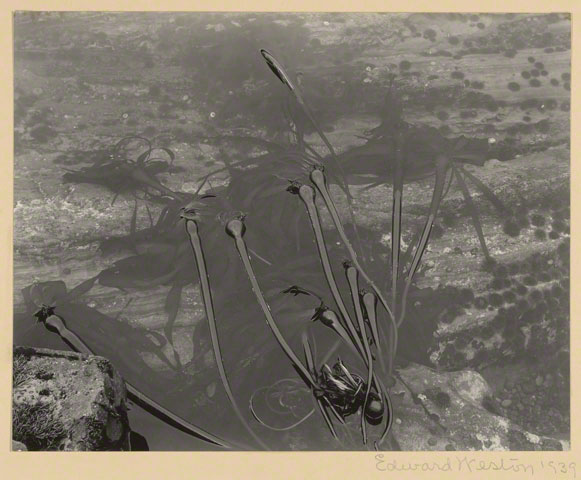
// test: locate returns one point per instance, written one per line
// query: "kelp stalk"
(442, 163)
(472, 209)
(396, 237)
(370, 303)
(388, 411)
(307, 194)
(311, 366)
(351, 273)
(277, 68)
(489, 194)
(396, 218)
(329, 318)
(196, 243)
(236, 228)
(56, 324)
(318, 178)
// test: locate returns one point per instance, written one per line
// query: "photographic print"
(291, 231)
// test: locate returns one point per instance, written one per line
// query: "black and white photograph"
(262, 231)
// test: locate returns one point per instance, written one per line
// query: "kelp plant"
(339, 392)
(364, 318)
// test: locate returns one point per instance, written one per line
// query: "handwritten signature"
(466, 464)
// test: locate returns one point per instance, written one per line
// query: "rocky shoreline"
(65, 401)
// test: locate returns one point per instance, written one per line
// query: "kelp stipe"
(270, 427)
(307, 194)
(279, 71)
(388, 412)
(487, 192)
(357, 332)
(318, 178)
(309, 358)
(351, 273)
(471, 208)
(56, 324)
(370, 303)
(329, 318)
(191, 224)
(236, 229)
(396, 218)
(441, 169)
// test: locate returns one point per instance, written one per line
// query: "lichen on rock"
(67, 401)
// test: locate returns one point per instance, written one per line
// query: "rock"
(548, 381)
(465, 424)
(68, 401)
(540, 178)
(506, 403)
(18, 446)
(492, 163)
(528, 387)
